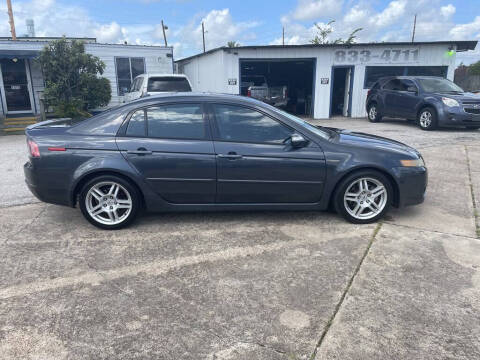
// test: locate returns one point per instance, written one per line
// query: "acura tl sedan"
(197, 152)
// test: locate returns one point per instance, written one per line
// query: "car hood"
(460, 97)
(353, 138)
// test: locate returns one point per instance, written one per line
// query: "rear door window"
(395, 85)
(176, 121)
(168, 84)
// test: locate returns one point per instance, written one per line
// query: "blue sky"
(247, 21)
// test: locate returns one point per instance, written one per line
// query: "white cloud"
(314, 9)
(52, 18)
(466, 31)
(448, 10)
(219, 29)
(390, 15)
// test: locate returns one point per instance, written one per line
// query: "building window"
(127, 70)
(373, 73)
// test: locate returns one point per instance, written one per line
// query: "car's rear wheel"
(427, 119)
(373, 114)
(364, 197)
(109, 202)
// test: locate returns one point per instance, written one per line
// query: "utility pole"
(414, 26)
(12, 23)
(164, 36)
(203, 36)
(283, 35)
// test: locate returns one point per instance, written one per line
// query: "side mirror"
(298, 141)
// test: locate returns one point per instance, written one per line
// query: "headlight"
(450, 102)
(413, 163)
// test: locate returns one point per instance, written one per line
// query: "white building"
(323, 80)
(21, 78)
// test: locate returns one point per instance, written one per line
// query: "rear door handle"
(230, 156)
(140, 151)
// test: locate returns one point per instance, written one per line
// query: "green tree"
(71, 82)
(474, 69)
(232, 44)
(324, 30)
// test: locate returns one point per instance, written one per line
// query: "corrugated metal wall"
(211, 72)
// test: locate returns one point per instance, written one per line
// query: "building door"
(341, 91)
(16, 94)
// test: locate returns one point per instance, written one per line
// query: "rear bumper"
(412, 185)
(40, 189)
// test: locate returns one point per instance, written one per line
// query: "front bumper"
(457, 116)
(412, 185)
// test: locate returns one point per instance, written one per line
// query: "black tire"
(124, 188)
(373, 116)
(473, 127)
(341, 204)
(426, 124)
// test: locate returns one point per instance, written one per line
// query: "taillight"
(249, 93)
(33, 147)
(368, 92)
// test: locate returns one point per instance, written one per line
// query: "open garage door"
(293, 77)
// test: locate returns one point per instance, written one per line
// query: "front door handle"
(140, 151)
(230, 156)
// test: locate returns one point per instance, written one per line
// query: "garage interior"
(298, 75)
(341, 90)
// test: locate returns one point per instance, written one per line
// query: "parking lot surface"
(266, 285)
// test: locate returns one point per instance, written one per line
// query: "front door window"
(15, 83)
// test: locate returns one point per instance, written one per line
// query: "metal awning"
(18, 54)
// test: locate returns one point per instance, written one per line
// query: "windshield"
(317, 130)
(168, 84)
(436, 85)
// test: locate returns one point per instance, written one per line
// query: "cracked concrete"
(249, 285)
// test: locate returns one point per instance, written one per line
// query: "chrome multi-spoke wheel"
(365, 198)
(109, 202)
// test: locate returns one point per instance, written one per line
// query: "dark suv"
(431, 101)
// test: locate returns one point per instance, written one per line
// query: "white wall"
(156, 61)
(210, 72)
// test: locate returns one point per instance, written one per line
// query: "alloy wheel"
(365, 198)
(372, 113)
(108, 203)
(425, 119)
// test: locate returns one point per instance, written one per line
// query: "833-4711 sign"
(372, 56)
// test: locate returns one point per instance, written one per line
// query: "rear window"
(105, 123)
(170, 84)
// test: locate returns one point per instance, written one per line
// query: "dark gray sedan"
(191, 152)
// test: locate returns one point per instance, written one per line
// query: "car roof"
(408, 77)
(195, 96)
(161, 75)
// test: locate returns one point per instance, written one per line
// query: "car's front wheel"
(363, 197)
(109, 202)
(427, 119)
(373, 114)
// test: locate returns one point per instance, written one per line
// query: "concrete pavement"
(251, 285)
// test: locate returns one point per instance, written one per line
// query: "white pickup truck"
(256, 86)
